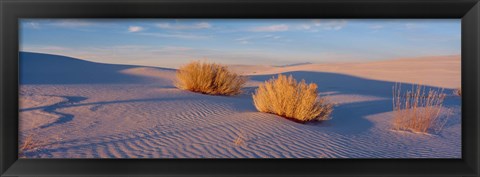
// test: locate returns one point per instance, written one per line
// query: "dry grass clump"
(28, 144)
(288, 98)
(458, 92)
(209, 78)
(417, 110)
(240, 140)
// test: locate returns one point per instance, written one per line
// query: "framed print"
(250, 88)
(232, 88)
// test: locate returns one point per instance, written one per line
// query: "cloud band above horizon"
(171, 42)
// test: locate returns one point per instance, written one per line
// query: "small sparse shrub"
(288, 98)
(240, 140)
(417, 110)
(209, 78)
(458, 92)
(27, 144)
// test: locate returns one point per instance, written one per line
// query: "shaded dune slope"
(93, 110)
(38, 68)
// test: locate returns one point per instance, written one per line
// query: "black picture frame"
(13, 10)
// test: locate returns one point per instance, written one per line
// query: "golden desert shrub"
(458, 92)
(286, 97)
(28, 143)
(417, 110)
(209, 78)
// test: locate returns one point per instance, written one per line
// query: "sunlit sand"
(79, 109)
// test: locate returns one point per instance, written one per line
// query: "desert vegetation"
(286, 97)
(240, 140)
(458, 92)
(418, 110)
(209, 78)
(28, 143)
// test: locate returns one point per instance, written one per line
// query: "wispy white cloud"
(376, 27)
(413, 26)
(249, 39)
(134, 29)
(244, 40)
(176, 35)
(33, 25)
(72, 23)
(222, 41)
(271, 28)
(316, 25)
(201, 25)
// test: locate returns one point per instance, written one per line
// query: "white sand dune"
(80, 109)
(438, 71)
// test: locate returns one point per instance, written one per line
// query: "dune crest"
(422, 70)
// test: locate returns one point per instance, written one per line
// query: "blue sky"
(172, 42)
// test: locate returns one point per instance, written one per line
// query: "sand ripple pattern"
(119, 122)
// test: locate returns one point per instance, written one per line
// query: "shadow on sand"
(348, 114)
(64, 117)
(37, 68)
(52, 69)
